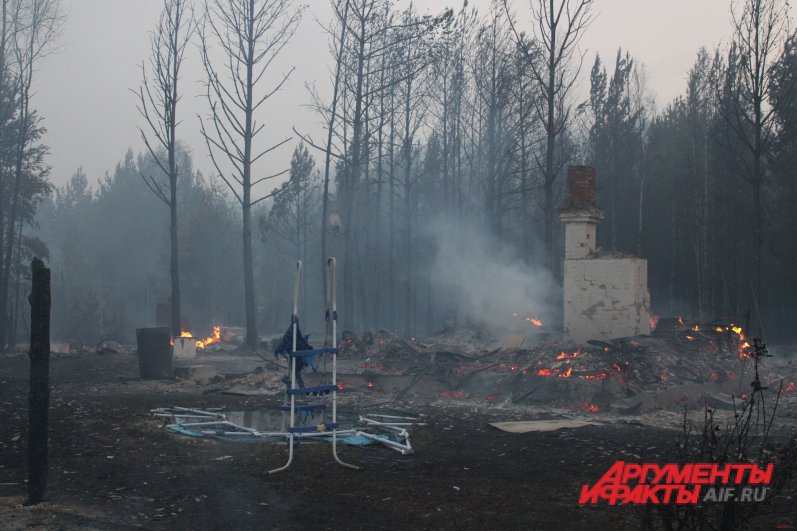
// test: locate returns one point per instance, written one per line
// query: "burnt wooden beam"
(39, 390)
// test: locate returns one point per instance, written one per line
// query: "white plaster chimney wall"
(580, 232)
(604, 296)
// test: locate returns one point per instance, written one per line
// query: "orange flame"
(214, 338)
(567, 373)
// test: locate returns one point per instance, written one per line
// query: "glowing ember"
(561, 356)
(654, 320)
(341, 385)
(743, 350)
(593, 376)
(533, 320)
(214, 338)
(452, 394)
(544, 372)
(490, 397)
(567, 373)
(791, 387)
(370, 384)
(586, 407)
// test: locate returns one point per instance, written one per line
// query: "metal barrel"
(154, 353)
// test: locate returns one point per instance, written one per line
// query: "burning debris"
(215, 337)
(679, 361)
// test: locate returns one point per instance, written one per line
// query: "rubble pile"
(679, 362)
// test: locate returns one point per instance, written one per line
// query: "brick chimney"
(579, 212)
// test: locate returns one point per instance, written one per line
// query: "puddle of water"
(271, 420)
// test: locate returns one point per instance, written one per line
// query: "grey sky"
(83, 90)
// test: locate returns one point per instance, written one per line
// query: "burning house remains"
(605, 294)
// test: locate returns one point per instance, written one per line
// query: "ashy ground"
(113, 466)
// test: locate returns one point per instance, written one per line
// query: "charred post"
(39, 391)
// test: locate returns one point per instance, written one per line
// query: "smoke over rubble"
(486, 282)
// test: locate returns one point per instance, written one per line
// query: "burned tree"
(157, 103)
(761, 29)
(250, 35)
(554, 62)
(33, 26)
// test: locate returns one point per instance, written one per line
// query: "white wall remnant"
(605, 294)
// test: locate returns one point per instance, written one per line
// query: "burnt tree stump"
(39, 390)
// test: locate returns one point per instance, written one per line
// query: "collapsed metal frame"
(395, 429)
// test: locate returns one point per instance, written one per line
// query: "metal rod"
(401, 432)
(389, 416)
(294, 325)
(176, 416)
(403, 449)
(377, 423)
(200, 411)
(332, 301)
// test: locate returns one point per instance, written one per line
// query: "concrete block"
(184, 348)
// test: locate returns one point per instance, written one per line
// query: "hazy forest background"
(435, 182)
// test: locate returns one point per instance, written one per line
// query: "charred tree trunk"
(22, 142)
(174, 266)
(39, 391)
(328, 151)
(354, 183)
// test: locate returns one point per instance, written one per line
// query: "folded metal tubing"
(404, 449)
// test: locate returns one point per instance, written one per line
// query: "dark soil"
(112, 466)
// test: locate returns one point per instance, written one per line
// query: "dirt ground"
(113, 466)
